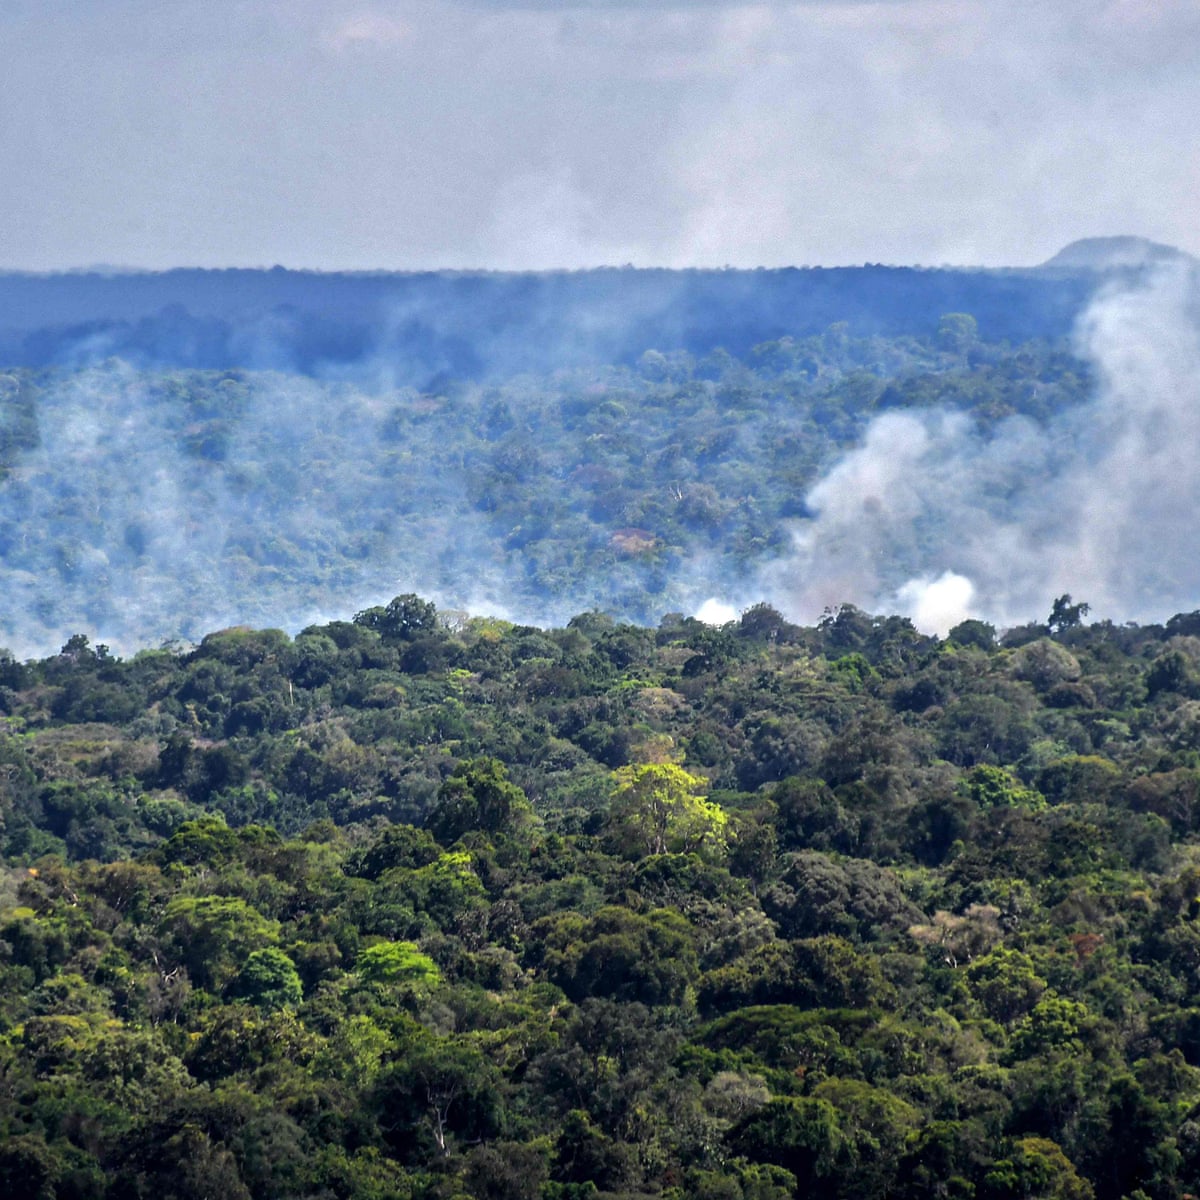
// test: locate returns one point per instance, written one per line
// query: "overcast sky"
(450, 133)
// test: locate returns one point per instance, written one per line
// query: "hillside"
(142, 505)
(412, 906)
(191, 449)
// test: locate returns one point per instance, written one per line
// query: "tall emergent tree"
(657, 809)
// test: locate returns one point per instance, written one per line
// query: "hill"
(191, 449)
(138, 505)
(1116, 254)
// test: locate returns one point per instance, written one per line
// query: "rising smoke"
(308, 500)
(934, 518)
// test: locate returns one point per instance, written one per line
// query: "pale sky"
(450, 133)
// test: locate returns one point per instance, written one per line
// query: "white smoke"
(936, 605)
(934, 516)
(319, 504)
(716, 612)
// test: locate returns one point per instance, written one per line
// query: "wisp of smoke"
(934, 518)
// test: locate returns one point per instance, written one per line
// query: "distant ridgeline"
(413, 328)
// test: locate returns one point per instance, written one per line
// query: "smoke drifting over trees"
(1100, 499)
(468, 449)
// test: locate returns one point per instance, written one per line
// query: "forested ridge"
(424, 905)
(420, 327)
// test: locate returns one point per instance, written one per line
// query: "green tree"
(800, 1134)
(1064, 615)
(396, 846)
(973, 633)
(211, 934)
(441, 1090)
(877, 1124)
(1036, 1169)
(994, 787)
(269, 980)
(622, 954)
(507, 1171)
(657, 809)
(403, 619)
(397, 962)
(1005, 983)
(29, 1169)
(477, 795)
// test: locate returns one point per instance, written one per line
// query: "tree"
(478, 795)
(444, 1088)
(188, 1165)
(1036, 1167)
(397, 846)
(755, 848)
(957, 332)
(269, 980)
(587, 1158)
(1044, 664)
(1005, 984)
(397, 962)
(211, 933)
(403, 619)
(656, 809)
(973, 633)
(1054, 1023)
(507, 1171)
(960, 939)
(762, 622)
(877, 1124)
(994, 787)
(818, 894)
(1065, 615)
(630, 957)
(801, 1135)
(29, 1169)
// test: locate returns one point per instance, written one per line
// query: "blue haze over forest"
(411, 327)
(194, 448)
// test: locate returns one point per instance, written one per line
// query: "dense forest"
(421, 905)
(144, 505)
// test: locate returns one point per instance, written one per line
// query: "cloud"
(367, 29)
(920, 131)
(568, 5)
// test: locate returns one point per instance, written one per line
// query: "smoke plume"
(935, 518)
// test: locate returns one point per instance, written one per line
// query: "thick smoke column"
(932, 517)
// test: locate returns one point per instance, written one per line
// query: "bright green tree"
(397, 962)
(657, 809)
